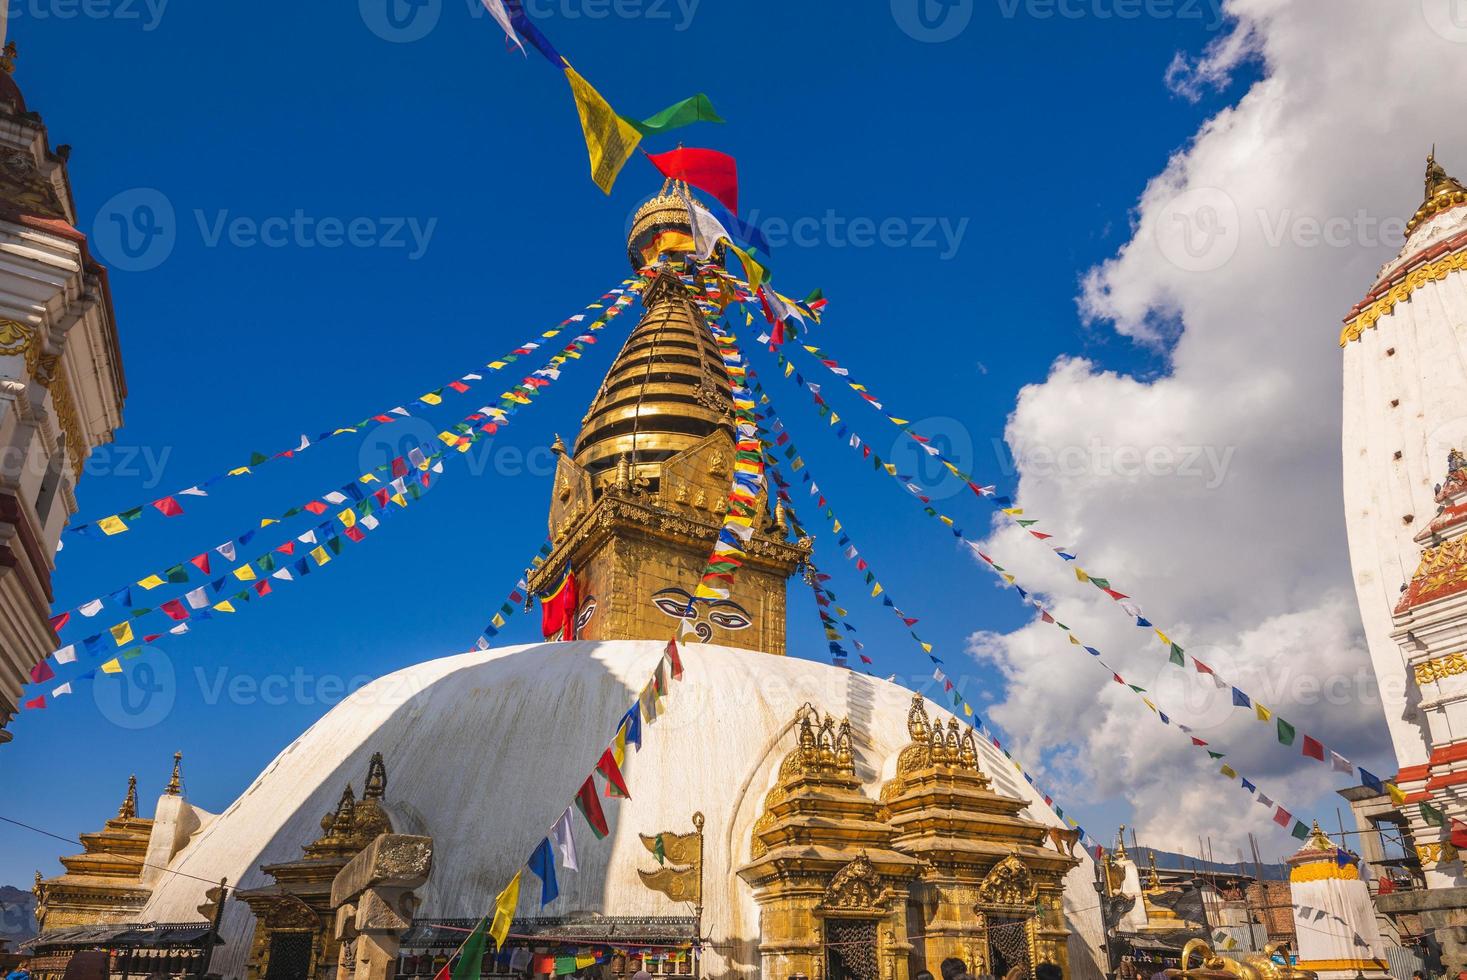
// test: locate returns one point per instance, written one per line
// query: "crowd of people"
(954, 968)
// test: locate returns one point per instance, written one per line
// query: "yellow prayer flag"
(267, 521)
(112, 525)
(1081, 575)
(899, 421)
(245, 573)
(1263, 713)
(239, 471)
(121, 633)
(890, 468)
(834, 418)
(1397, 797)
(504, 905)
(1163, 637)
(112, 667)
(610, 140)
(151, 582)
(755, 272)
(876, 590)
(495, 365)
(431, 398)
(1013, 511)
(967, 709)
(225, 606)
(927, 647)
(835, 526)
(348, 517)
(319, 553)
(367, 478)
(619, 744)
(1229, 771)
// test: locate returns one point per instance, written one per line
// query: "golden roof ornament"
(1121, 854)
(175, 782)
(129, 808)
(7, 59)
(1442, 192)
(1153, 883)
(558, 447)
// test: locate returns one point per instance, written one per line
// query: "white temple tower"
(1405, 490)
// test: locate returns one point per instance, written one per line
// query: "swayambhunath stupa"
(699, 765)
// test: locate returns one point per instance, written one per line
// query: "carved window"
(290, 956)
(850, 952)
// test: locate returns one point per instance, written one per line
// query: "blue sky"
(1017, 148)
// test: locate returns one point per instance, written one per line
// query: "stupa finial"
(129, 808)
(7, 58)
(175, 782)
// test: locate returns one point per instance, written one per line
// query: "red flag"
(558, 609)
(201, 562)
(262, 587)
(708, 170)
(168, 507)
(1459, 834)
(399, 467)
(58, 621)
(1313, 749)
(39, 702)
(1385, 887)
(1202, 668)
(42, 672)
(354, 532)
(677, 661)
(590, 808)
(175, 610)
(614, 781)
(316, 507)
(1282, 817)
(287, 549)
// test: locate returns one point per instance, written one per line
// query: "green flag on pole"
(470, 961)
(1286, 733)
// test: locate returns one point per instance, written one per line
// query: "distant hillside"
(17, 914)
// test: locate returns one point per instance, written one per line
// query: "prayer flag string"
(170, 506)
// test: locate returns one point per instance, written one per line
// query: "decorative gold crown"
(1442, 192)
(666, 211)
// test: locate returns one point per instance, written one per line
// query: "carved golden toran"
(638, 505)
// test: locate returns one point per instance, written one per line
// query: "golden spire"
(7, 59)
(1121, 854)
(666, 392)
(1153, 883)
(1442, 192)
(175, 783)
(557, 447)
(129, 808)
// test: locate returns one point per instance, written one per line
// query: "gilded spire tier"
(1442, 192)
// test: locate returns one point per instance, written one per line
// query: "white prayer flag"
(197, 599)
(565, 841)
(227, 550)
(90, 609)
(66, 654)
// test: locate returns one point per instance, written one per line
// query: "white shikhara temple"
(1405, 490)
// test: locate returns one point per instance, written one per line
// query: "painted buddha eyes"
(588, 609)
(675, 603)
(729, 616)
(723, 613)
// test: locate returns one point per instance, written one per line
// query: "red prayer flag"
(1202, 668)
(399, 467)
(175, 610)
(201, 562)
(558, 609)
(39, 702)
(287, 549)
(262, 587)
(354, 533)
(168, 507)
(1459, 834)
(708, 170)
(677, 661)
(1282, 817)
(316, 507)
(58, 621)
(608, 768)
(41, 672)
(590, 808)
(1313, 749)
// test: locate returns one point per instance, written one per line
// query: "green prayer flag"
(1177, 657)
(471, 960)
(1100, 583)
(257, 458)
(1286, 733)
(679, 114)
(1215, 755)
(1431, 814)
(1300, 831)
(177, 574)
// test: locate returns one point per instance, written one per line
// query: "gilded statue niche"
(1008, 887)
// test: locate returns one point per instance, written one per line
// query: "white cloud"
(1246, 251)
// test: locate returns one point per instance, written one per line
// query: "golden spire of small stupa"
(175, 782)
(129, 808)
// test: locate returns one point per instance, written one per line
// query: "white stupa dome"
(485, 750)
